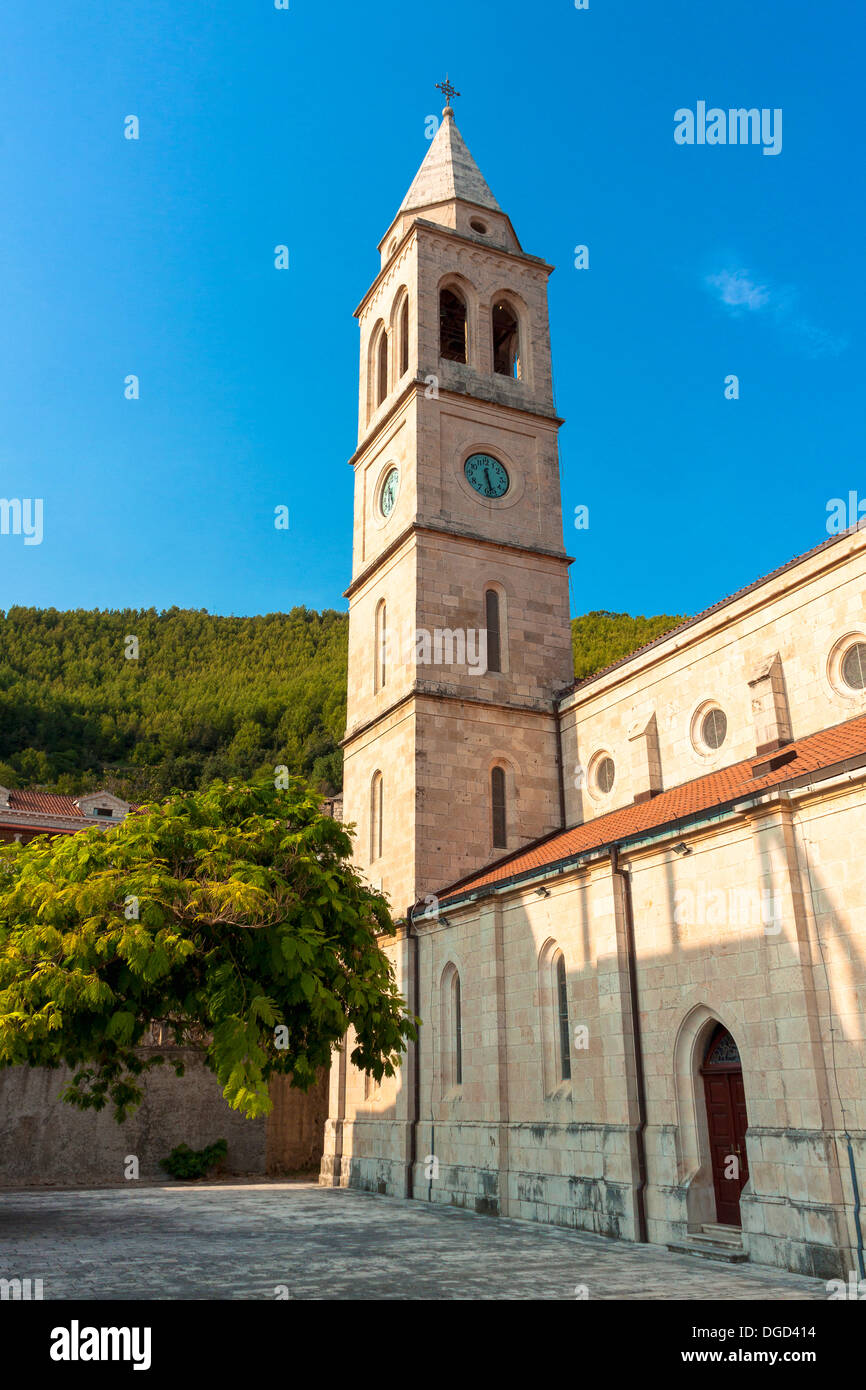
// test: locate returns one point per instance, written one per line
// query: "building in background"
(24, 814)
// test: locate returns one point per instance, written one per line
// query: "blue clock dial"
(486, 474)
(388, 495)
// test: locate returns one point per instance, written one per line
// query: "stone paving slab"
(241, 1241)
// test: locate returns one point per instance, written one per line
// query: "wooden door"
(727, 1122)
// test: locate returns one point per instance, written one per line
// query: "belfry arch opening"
(453, 340)
(506, 341)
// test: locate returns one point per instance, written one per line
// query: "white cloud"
(738, 290)
(741, 293)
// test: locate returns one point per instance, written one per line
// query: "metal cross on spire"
(447, 90)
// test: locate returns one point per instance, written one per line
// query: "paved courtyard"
(244, 1240)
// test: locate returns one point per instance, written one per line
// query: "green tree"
(232, 917)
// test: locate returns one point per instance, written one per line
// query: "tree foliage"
(232, 917)
(598, 639)
(207, 698)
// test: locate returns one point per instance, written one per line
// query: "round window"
(854, 667)
(478, 226)
(714, 728)
(605, 775)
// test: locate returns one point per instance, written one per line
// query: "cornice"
(451, 234)
(419, 383)
(470, 537)
(421, 691)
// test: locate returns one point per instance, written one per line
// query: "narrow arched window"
(506, 341)
(377, 811)
(450, 1038)
(494, 638)
(404, 337)
(380, 651)
(382, 368)
(458, 1030)
(562, 1020)
(555, 1029)
(452, 326)
(497, 802)
(377, 368)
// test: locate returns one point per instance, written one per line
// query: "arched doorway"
(727, 1123)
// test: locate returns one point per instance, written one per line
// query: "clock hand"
(487, 476)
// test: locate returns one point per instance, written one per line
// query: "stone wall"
(805, 616)
(44, 1141)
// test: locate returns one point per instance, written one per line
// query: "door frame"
(694, 1169)
(728, 1070)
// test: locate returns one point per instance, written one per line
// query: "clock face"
(388, 495)
(487, 475)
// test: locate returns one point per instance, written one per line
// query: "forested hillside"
(598, 639)
(206, 697)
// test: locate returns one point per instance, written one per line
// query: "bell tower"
(459, 632)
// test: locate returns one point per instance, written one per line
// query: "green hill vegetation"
(600, 638)
(207, 696)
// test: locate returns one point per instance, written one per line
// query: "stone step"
(722, 1235)
(730, 1254)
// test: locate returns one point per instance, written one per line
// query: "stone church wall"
(801, 614)
(374, 533)
(367, 1134)
(482, 274)
(512, 1140)
(535, 645)
(765, 982)
(377, 308)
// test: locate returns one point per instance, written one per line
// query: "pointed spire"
(448, 171)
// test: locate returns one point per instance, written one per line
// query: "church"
(630, 911)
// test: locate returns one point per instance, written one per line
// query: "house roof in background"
(39, 803)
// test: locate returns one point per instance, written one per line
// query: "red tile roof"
(45, 804)
(42, 803)
(816, 753)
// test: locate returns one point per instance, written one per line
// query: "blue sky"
(305, 127)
